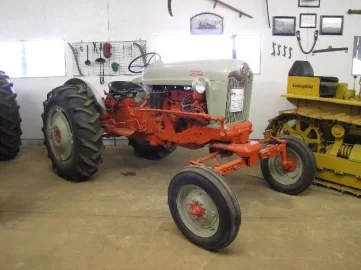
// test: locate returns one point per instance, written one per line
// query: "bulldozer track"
(318, 115)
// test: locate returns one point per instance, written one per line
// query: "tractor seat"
(124, 87)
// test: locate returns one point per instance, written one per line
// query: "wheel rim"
(283, 176)
(197, 211)
(60, 134)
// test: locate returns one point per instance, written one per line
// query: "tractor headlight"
(199, 85)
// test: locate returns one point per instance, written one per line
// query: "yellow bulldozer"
(327, 116)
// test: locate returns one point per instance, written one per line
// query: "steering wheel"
(145, 62)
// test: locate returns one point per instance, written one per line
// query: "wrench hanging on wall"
(274, 49)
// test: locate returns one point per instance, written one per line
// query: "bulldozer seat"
(328, 85)
(304, 69)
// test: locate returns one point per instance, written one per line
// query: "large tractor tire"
(10, 121)
(150, 152)
(73, 133)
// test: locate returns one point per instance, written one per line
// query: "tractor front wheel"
(73, 134)
(204, 208)
(10, 121)
(295, 181)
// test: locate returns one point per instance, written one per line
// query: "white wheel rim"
(198, 211)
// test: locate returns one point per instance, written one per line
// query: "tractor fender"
(92, 91)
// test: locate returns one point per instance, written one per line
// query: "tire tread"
(10, 120)
(86, 119)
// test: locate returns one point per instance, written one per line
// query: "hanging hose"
(75, 54)
(298, 35)
(142, 52)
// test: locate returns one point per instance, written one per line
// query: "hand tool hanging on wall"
(241, 13)
(170, 8)
(115, 66)
(298, 35)
(284, 50)
(142, 52)
(274, 49)
(269, 20)
(107, 50)
(95, 47)
(101, 62)
(290, 49)
(354, 12)
(75, 54)
(279, 49)
(81, 47)
(330, 49)
(87, 62)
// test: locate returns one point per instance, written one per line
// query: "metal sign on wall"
(207, 23)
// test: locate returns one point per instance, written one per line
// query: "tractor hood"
(184, 73)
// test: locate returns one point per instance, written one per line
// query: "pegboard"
(123, 52)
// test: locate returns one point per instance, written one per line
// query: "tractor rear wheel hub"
(60, 134)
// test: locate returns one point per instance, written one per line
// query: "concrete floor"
(123, 222)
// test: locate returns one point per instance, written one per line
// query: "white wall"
(87, 20)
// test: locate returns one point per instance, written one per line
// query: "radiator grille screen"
(238, 100)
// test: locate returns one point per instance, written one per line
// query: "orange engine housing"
(180, 117)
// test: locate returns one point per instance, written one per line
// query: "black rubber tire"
(308, 171)
(150, 152)
(224, 198)
(84, 120)
(10, 121)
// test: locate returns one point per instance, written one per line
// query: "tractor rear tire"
(291, 183)
(73, 133)
(204, 208)
(150, 152)
(10, 121)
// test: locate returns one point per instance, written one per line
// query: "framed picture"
(284, 26)
(308, 20)
(309, 3)
(331, 25)
(206, 23)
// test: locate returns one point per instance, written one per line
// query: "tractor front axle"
(248, 155)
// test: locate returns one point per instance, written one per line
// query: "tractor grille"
(238, 100)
